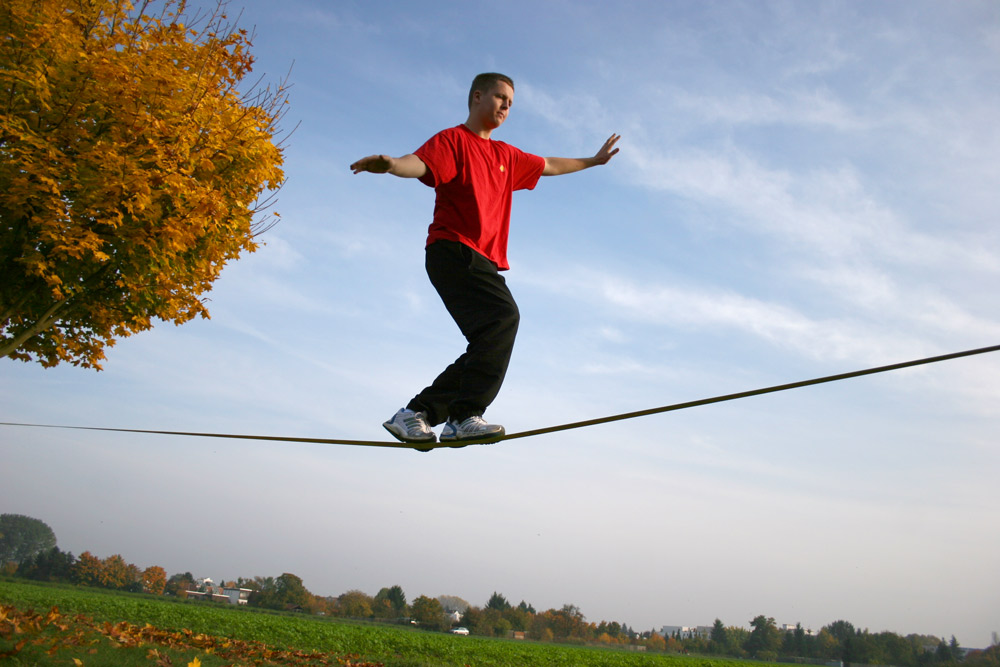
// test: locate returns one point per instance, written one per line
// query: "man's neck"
(477, 128)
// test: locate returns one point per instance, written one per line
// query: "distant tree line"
(839, 641)
(89, 570)
(28, 550)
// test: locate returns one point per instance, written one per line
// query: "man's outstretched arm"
(556, 166)
(408, 166)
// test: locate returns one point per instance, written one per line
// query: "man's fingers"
(607, 150)
(377, 164)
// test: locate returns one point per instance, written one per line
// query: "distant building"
(207, 595)
(705, 631)
(207, 590)
(686, 631)
(237, 596)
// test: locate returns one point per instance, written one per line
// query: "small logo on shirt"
(501, 168)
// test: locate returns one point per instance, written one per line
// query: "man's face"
(493, 106)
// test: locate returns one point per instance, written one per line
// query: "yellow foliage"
(131, 169)
(656, 642)
(56, 633)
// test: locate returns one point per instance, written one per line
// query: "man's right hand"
(376, 164)
(408, 166)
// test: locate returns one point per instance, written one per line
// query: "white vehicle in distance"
(460, 631)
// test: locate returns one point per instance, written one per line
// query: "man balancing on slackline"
(473, 177)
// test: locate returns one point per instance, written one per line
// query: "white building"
(686, 631)
(207, 590)
(705, 631)
(237, 595)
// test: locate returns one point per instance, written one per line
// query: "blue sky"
(803, 188)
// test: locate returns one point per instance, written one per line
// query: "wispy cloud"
(828, 213)
(816, 107)
(898, 322)
(695, 308)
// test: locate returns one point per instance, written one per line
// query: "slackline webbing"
(754, 392)
(548, 429)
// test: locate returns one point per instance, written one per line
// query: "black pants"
(477, 298)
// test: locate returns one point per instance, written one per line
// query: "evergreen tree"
(51, 565)
(498, 602)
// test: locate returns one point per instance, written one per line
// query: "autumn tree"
(355, 604)
(612, 630)
(21, 537)
(429, 613)
(656, 642)
(390, 602)
(568, 621)
(88, 570)
(179, 584)
(133, 164)
(154, 580)
(319, 605)
(487, 622)
(989, 657)
(117, 573)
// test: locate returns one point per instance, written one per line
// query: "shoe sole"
(476, 439)
(410, 441)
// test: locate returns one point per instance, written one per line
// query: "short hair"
(484, 83)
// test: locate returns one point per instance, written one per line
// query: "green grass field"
(97, 627)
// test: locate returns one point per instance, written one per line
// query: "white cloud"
(827, 213)
(814, 107)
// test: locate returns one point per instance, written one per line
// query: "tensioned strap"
(754, 392)
(548, 429)
(236, 436)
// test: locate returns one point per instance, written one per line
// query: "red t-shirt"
(474, 179)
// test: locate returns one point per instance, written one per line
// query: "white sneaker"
(473, 428)
(409, 426)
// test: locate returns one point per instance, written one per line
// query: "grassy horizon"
(101, 627)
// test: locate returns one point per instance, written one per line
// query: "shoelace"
(414, 423)
(473, 423)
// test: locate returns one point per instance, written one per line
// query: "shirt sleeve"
(527, 170)
(439, 154)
